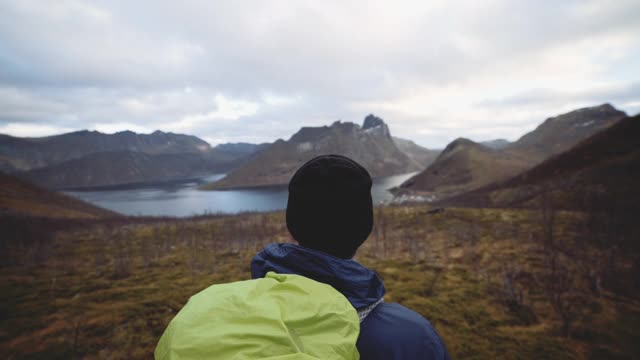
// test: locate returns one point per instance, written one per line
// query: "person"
(330, 215)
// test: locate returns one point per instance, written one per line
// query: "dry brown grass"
(75, 300)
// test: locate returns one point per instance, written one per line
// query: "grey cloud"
(77, 64)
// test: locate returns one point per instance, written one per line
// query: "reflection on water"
(183, 199)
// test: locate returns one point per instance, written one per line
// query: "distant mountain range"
(93, 159)
(21, 154)
(88, 159)
(371, 145)
(465, 165)
(119, 167)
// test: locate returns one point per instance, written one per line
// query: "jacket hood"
(361, 286)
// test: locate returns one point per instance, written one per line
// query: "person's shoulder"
(389, 317)
(392, 331)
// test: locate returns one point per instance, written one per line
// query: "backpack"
(278, 317)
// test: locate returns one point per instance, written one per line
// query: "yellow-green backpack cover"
(278, 317)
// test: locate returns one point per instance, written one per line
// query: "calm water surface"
(184, 199)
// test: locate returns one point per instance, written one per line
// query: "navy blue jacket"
(390, 331)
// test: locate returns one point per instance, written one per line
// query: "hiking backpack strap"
(363, 313)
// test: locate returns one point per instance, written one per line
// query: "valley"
(149, 150)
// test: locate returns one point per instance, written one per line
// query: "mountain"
(23, 154)
(464, 166)
(496, 144)
(562, 132)
(603, 170)
(18, 197)
(91, 158)
(421, 155)
(239, 148)
(237, 153)
(371, 145)
(118, 168)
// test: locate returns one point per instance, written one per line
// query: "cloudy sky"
(255, 71)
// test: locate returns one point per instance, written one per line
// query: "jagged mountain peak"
(315, 133)
(372, 121)
(376, 126)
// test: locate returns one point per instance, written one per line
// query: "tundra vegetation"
(496, 283)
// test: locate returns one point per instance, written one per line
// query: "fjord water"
(184, 199)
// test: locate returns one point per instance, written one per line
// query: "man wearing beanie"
(330, 214)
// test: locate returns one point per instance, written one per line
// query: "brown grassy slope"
(557, 134)
(605, 166)
(462, 166)
(18, 197)
(109, 291)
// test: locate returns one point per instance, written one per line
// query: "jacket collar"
(361, 286)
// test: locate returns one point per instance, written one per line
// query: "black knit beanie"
(330, 207)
